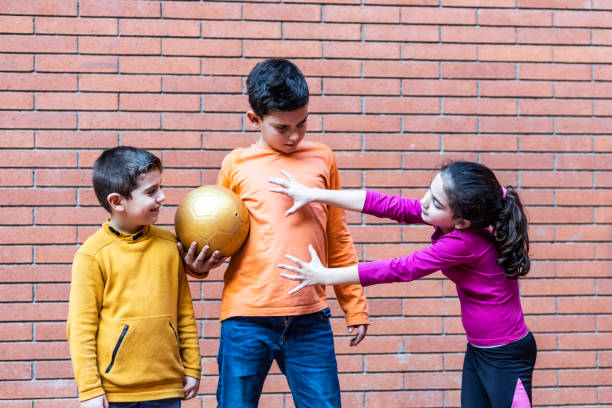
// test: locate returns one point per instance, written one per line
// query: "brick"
(185, 84)
(38, 389)
(354, 86)
(368, 160)
(21, 197)
(15, 371)
(515, 89)
(400, 33)
(16, 25)
(583, 162)
(40, 7)
(226, 103)
(562, 251)
(557, 287)
(556, 143)
(119, 8)
(570, 215)
(529, 53)
(54, 370)
(207, 121)
(404, 399)
(47, 44)
(515, 125)
(361, 14)
(467, 34)
(77, 139)
(332, 104)
(71, 216)
(77, 63)
(16, 101)
(480, 3)
(477, 142)
(52, 292)
(440, 124)
(564, 107)
(436, 52)
(285, 49)
(81, 101)
(402, 142)
(76, 26)
(584, 197)
(38, 82)
(29, 273)
(535, 179)
(159, 65)
(152, 102)
(582, 90)
(578, 54)
(38, 158)
(55, 254)
(386, 105)
(159, 28)
(120, 83)
(436, 15)
(15, 254)
(517, 18)
(401, 69)
(201, 47)
(481, 70)
(16, 293)
(348, 123)
(16, 62)
(560, 396)
(50, 331)
(577, 18)
(162, 140)
(16, 216)
(243, 29)
(119, 46)
(554, 36)
(481, 106)
(602, 108)
(112, 120)
(37, 120)
(562, 72)
(439, 87)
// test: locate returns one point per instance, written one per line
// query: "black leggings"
(492, 376)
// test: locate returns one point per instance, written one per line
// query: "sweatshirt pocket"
(144, 352)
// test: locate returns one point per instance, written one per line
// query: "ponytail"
(511, 239)
(474, 194)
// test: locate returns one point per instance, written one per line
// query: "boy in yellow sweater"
(131, 326)
(260, 321)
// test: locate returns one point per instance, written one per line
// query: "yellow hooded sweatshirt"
(131, 325)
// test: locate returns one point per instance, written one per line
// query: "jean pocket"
(326, 313)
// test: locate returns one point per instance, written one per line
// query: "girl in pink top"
(479, 242)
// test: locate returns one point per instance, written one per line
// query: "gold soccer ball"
(214, 216)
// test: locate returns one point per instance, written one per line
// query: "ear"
(115, 200)
(254, 119)
(462, 224)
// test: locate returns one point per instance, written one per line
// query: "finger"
(202, 254)
(291, 210)
(278, 181)
(191, 251)
(290, 268)
(290, 276)
(296, 289)
(278, 190)
(286, 173)
(313, 253)
(294, 260)
(181, 249)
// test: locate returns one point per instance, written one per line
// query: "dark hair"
(474, 194)
(276, 85)
(117, 170)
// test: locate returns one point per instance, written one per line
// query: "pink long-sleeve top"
(490, 304)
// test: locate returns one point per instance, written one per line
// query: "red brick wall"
(524, 86)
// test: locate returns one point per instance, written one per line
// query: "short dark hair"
(276, 85)
(117, 170)
(475, 194)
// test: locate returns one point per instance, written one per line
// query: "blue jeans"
(162, 403)
(303, 347)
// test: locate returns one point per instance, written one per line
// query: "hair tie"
(504, 192)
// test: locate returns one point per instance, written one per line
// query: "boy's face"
(144, 205)
(281, 130)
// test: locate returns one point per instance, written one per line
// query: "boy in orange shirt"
(260, 321)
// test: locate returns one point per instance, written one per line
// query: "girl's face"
(435, 208)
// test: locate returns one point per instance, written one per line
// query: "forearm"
(352, 200)
(341, 276)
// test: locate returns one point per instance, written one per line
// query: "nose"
(425, 201)
(161, 196)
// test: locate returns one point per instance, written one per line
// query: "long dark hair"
(474, 194)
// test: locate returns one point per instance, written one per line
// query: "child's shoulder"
(162, 233)
(95, 242)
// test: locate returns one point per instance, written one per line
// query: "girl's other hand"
(300, 194)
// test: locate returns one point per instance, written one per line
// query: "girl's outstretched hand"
(300, 194)
(309, 274)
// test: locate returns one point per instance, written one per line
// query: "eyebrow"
(440, 204)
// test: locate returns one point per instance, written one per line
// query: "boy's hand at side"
(190, 386)
(300, 194)
(96, 402)
(198, 265)
(362, 330)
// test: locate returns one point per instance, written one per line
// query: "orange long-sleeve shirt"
(253, 285)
